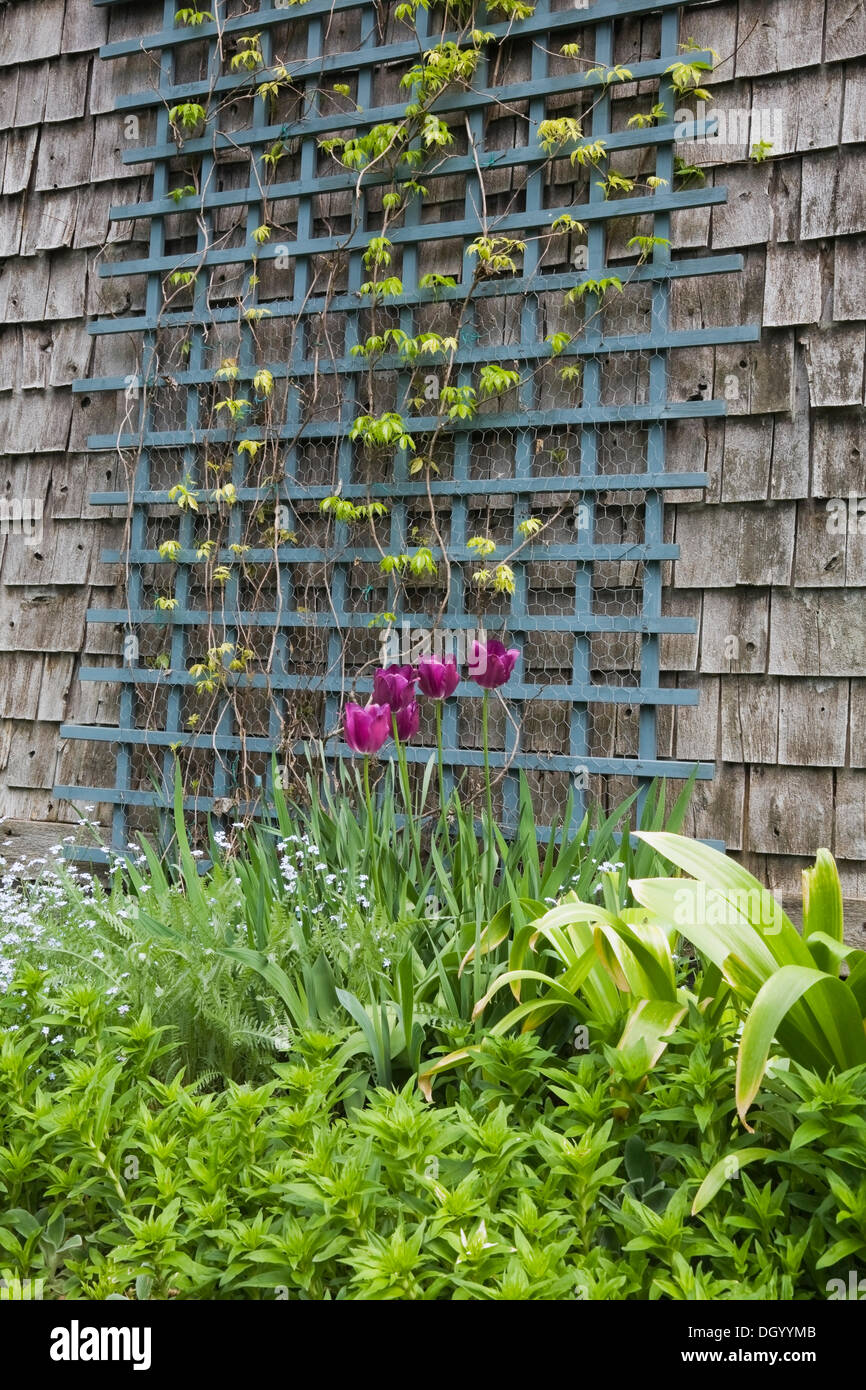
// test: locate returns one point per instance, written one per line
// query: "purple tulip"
(366, 727)
(407, 719)
(437, 679)
(394, 686)
(491, 664)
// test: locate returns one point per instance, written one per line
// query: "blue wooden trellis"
(308, 26)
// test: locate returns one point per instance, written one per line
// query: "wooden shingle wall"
(778, 593)
(60, 169)
(773, 567)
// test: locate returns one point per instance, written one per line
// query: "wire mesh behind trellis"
(251, 612)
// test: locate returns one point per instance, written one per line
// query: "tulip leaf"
(499, 927)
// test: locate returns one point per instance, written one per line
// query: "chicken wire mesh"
(276, 547)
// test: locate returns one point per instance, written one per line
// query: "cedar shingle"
(849, 283)
(65, 155)
(833, 195)
(778, 36)
(835, 360)
(845, 29)
(67, 89)
(817, 632)
(30, 31)
(794, 290)
(790, 810)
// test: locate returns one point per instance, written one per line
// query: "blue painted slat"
(578, 483)
(591, 622)
(552, 693)
(311, 307)
(173, 35)
(327, 429)
(518, 223)
(332, 183)
(354, 366)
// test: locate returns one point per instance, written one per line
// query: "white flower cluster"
(27, 909)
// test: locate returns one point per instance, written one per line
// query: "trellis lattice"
(250, 613)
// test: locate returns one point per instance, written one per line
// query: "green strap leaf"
(822, 908)
(835, 1011)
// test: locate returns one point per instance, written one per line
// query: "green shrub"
(540, 1178)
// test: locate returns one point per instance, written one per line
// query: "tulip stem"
(485, 738)
(369, 802)
(403, 766)
(440, 759)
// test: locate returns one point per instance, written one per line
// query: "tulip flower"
(491, 664)
(366, 727)
(394, 686)
(407, 720)
(437, 679)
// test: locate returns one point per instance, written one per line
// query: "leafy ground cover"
(340, 1063)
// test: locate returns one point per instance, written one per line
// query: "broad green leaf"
(425, 1078)
(754, 903)
(648, 1028)
(822, 908)
(688, 905)
(834, 1008)
(728, 1167)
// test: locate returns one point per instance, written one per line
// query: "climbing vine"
(388, 371)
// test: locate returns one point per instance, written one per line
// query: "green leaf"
(836, 1013)
(741, 889)
(498, 928)
(21, 1221)
(294, 999)
(647, 1030)
(807, 1133)
(842, 1250)
(192, 884)
(728, 1167)
(822, 908)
